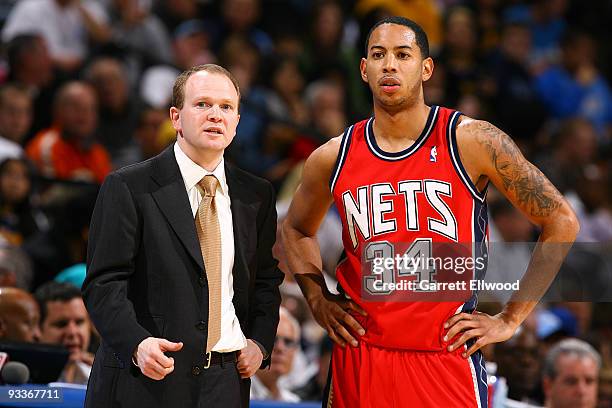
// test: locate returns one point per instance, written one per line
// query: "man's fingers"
(344, 334)
(161, 359)
(464, 337)
(460, 326)
(455, 318)
(335, 338)
(166, 345)
(354, 306)
(353, 324)
(477, 345)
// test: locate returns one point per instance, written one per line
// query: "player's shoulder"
(326, 154)
(473, 134)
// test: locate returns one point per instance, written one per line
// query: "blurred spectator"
(64, 244)
(190, 46)
(30, 66)
(575, 87)
(68, 150)
(511, 234)
(66, 25)
(488, 21)
(117, 112)
(174, 12)
(141, 35)
(286, 84)
(546, 21)
(19, 218)
(572, 150)
(592, 204)
(313, 389)
(264, 384)
(239, 18)
(19, 316)
(64, 321)
(517, 361)
(515, 96)
(424, 12)
(459, 55)
(15, 120)
(147, 132)
(326, 57)
(571, 373)
(15, 268)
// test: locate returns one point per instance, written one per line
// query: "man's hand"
(152, 361)
(486, 329)
(249, 359)
(331, 312)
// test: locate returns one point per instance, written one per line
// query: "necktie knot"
(208, 184)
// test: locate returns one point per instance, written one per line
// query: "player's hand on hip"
(484, 328)
(150, 358)
(332, 313)
(249, 359)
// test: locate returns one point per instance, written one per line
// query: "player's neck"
(406, 124)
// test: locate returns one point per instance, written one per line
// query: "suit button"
(201, 325)
(195, 370)
(202, 281)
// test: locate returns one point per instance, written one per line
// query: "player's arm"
(308, 208)
(489, 153)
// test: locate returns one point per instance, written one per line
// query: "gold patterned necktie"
(209, 234)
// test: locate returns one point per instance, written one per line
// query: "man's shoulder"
(247, 179)
(134, 174)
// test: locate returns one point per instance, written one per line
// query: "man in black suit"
(181, 282)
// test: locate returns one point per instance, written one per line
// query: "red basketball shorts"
(368, 376)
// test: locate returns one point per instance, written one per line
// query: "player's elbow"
(567, 224)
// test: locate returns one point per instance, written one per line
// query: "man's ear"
(362, 69)
(175, 117)
(428, 68)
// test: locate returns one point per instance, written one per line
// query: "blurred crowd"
(85, 88)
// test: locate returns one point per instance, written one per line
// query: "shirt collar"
(192, 173)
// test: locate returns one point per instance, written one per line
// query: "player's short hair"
(575, 347)
(419, 33)
(178, 90)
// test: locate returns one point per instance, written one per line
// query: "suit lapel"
(171, 197)
(243, 215)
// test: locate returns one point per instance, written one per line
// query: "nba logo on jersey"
(432, 154)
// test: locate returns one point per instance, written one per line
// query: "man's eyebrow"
(396, 48)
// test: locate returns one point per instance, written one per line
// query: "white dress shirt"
(232, 337)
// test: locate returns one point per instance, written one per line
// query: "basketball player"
(414, 174)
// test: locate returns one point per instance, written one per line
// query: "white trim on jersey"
(412, 148)
(343, 153)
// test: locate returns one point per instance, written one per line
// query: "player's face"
(394, 67)
(209, 116)
(575, 384)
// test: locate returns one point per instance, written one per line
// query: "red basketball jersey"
(405, 203)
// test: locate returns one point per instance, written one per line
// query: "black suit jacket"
(145, 277)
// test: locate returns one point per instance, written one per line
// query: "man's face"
(21, 322)
(285, 345)
(209, 116)
(15, 116)
(67, 324)
(77, 115)
(575, 385)
(394, 67)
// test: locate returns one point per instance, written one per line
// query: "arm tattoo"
(533, 191)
